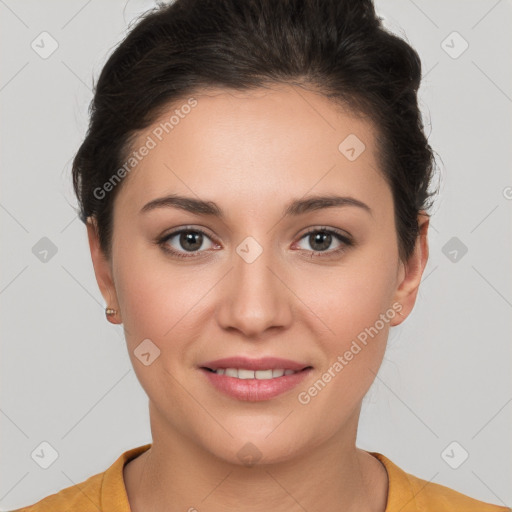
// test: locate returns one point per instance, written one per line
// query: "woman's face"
(256, 283)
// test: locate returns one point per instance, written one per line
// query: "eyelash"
(347, 242)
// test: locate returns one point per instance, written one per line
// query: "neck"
(176, 474)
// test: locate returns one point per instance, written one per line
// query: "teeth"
(241, 373)
(263, 374)
(245, 374)
(231, 372)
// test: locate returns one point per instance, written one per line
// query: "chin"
(256, 448)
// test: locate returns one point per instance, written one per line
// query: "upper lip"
(263, 363)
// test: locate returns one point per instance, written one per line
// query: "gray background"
(65, 373)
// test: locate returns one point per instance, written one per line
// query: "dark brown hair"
(336, 47)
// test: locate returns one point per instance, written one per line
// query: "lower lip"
(255, 390)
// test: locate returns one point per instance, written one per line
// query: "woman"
(255, 186)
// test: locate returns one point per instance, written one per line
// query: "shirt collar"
(113, 490)
(400, 492)
(115, 499)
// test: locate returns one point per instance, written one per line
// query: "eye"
(189, 241)
(320, 239)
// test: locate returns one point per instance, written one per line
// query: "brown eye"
(190, 240)
(184, 241)
(320, 240)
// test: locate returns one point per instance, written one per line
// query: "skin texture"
(252, 153)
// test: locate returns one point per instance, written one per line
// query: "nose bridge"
(256, 298)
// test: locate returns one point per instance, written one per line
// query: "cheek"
(140, 303)
(352, 296)
(353, 301)
(160, 301)
(146, 292)
(154, 307)
(358, 315)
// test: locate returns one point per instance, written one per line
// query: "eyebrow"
(294, 208)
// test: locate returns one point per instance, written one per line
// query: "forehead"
(266, 144)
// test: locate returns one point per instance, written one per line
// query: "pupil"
(318, 238)
(188, 237)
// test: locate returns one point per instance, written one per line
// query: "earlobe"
(407, 290)
(103, 273)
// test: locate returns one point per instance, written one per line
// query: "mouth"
(254, 379)
(245, 373)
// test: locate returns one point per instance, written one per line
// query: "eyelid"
(314, 229)
(199, 229)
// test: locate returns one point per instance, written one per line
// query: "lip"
(263, 363)
(255, 390)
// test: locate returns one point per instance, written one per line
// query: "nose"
(255, 296)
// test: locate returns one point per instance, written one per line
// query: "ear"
(103, 271)
(410, 274)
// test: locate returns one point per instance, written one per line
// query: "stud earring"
(110, 312)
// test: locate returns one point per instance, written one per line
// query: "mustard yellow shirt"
(105, 492)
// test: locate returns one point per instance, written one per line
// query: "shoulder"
(432, 496)
(102, 491)
(409, 493)
(82, 497)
